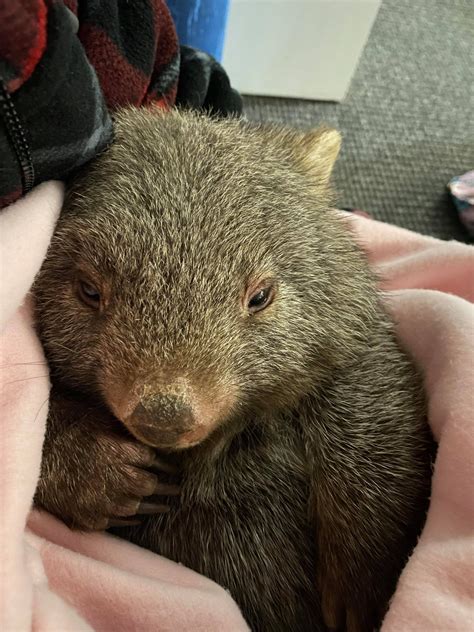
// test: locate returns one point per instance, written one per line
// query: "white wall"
(296, 48)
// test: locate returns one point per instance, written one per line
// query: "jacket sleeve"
(66, 66)
(53, 117)
(204, 84)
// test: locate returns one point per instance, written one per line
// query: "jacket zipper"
(17, 137)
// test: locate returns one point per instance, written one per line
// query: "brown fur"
(306, 474)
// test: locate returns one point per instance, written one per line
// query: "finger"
(143, 483)
(138, 453)
(142, 455)
(92, 524)
(139, 482)
(122, 522)
(124, 507)
(152, 508)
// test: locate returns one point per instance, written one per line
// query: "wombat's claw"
(166, 489)
(119, 522)
(151, 508)
(163, 466)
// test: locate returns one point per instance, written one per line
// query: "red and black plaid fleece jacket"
(65, 66)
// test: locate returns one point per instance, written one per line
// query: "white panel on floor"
(305, 49)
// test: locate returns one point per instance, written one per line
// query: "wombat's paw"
(130, 476)
(94, 476)
(126, 485)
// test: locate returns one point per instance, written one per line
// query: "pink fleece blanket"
(52, 579)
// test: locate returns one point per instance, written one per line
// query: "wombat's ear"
(318, 151)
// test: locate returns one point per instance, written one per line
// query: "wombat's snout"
(171, 416)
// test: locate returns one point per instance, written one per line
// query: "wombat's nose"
(160, 419)
(165, 411)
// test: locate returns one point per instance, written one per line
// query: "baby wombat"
(201, 298)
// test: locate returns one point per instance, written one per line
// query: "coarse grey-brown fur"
(308, 495)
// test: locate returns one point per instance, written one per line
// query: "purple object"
(462, 192)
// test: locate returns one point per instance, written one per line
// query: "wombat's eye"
(260, 299)
(88, 293)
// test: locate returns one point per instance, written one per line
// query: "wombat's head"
(197, 277)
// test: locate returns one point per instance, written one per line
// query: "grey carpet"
(408, 118)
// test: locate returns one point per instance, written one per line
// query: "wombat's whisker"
(63, 346)
(40, 408)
